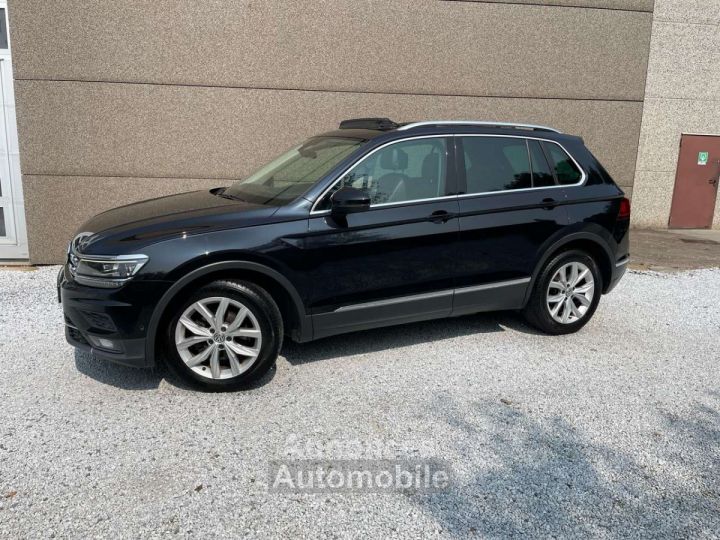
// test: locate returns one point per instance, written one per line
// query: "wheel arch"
(297, 323)
(593, 244)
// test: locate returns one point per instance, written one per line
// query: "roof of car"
(371, 128)
(365, 134)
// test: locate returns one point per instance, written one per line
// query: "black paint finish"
(332, 273)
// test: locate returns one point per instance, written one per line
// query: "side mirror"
(349, 200)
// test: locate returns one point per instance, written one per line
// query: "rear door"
(511, 205)
(394, 262)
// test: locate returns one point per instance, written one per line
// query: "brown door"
(696, 182)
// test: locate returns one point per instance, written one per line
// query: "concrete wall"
(172, 95)
(682, 96)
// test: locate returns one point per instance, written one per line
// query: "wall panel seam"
(201, 178)
(329, 91)
(130, 176)
(696, 23)
(699, 99)
(542, 4)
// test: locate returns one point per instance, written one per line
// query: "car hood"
(126, 228)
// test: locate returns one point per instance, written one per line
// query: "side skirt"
(405, 309)
(497, 296)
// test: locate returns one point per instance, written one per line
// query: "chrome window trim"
(582, 181)
(476, 123)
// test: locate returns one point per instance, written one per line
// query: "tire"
(233, 356)
(545, 298)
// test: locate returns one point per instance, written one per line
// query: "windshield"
(291, 174)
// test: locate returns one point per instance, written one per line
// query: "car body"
(400, 223)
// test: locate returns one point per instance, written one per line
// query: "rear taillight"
(624, 209)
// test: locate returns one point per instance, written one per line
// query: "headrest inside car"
(394, 159)
(430, 166)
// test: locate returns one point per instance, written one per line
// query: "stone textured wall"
(119, 101)
(682, 96)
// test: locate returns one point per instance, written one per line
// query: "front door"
(13, 239)
(394, 262)
(696, 182)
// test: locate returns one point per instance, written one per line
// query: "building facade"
(127, 100)
(682, 98)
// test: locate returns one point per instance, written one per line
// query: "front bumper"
(111, 324)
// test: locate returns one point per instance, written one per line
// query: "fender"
(550, 250)
(304, 332)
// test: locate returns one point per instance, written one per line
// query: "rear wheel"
(566, 294)
(225, 336)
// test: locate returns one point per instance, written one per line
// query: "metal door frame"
(14, 245)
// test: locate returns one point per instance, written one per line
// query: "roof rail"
(513, 125)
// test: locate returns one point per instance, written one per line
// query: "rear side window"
(506, 163)
(565, 169)
(496, 164)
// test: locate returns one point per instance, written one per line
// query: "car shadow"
(129, 378)
(381, 339)
(367, 341)
(124, 377)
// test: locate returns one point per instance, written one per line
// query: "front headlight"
(105, 271)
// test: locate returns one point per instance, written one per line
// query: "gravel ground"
(612, 432)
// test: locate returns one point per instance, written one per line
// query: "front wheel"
(566, 294)
(224, 336)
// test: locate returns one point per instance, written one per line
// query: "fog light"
(103, 343)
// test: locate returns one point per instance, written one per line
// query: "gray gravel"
(612, 432)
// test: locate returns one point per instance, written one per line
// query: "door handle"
(549, 203)
(714, 181)
(440, 216)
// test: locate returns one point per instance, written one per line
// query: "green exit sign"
(703, 158)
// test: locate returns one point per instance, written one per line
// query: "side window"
(496, 164)
(541, 171)
(404, 171)
(565, 169)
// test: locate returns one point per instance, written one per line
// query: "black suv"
(374, 224)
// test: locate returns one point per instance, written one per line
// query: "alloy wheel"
(570, 292)
(218, 337)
